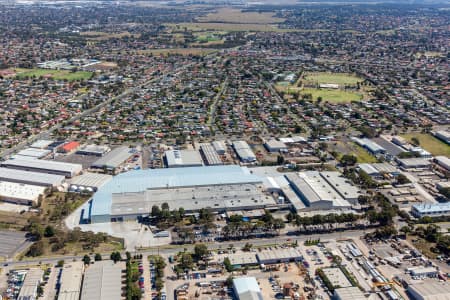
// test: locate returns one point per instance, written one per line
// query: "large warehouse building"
(183, 158)
(70, 281)
(113, 159)
(103, 281)
(244, 151)
(33, 178)
(44, 166)
(431, 290)
(20, 193)
(247, 288)
(430, 210)
(132, 194)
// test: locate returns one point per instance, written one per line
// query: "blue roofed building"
(430, 210)
(220, 188)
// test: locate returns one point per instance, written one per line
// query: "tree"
(49, 231)
(228, 266)
(156, 212)
(280, 160)
(86, 259)
(98, 257)
(128, 255)
(348, 160)
(165, 206)
(200, 251)
(60, 263)
(115, 256)
(402, 179)
(186, 261)
(36, 249)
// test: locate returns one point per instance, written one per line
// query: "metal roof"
(244, 151)
(247, 288)
(341, 185)
(103, 281)
(20, 191)
(114, 158)
(432, 208)
(180, 158)
(70, 280)
(29, 287)
(40, 164)
(13, 175)
(430, 290)
(41, 144)
(33, 152)
(349, 293)
(210, 155)
(91, 180)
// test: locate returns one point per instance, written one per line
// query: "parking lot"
(12, 242)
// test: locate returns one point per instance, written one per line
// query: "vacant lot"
(229, 15)
(352, 148)
(334, 78)
(181, 51)
(54, 74)
(429, 143)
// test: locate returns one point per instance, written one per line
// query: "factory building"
(315, 192)
(244, 152)
(337, 277)
(277, 256)
(132, 194)
(44, 166)
(421, 272)
(443, 135)
(220, 147)
(430, 210)
(28, 291)
(182, 158)
(369, 145)
(89, 182)
(246, 288)
(430, 290)
(113, 159)
(41, 144)
(94, 150)
(342, 185)
(70, 281)
(33, 178)
(274, 145)
(443, 161)
(103, 281)
(33, 153)
(414, 163)
(349, 293)
(210, 156)
(379, 169)
(20, 193)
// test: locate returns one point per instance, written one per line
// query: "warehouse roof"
(29, 287)
(210, 155)
(141, 180)
(279, 254)
(13, 190)
(13, 175)
(33, 152)
(431, 290)
(102, 281)
(341, 184)
(41, 144)
(247, 288)
(114, 158)
(444, 161)
(368, 168)
(243, 150)
(43, 165)
(274, 144)
(414, 162)
(349, 293)
(94, 180)
(180, 158)
(71, 276)
(431, 207)
(336, 277)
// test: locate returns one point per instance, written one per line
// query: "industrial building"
(276, 256)
(421, 272)
(113, 159)
(94, 150)
(28, 291)
(69, 147)
(443, 135)
(274, 145)
(44, 166)
(414, 163)
(33, 178)
(315, 192)
(246, 288)
(443, 161)
(220, 147)
(244, 152)
(430, 210)
(293, 140)
(210, 155)
(336, 277)
(379, 169)
(429, 290)
(342, 185)
(182, 158)
(349, 293)
(20, 193)
(369, 145)
(90, 182)
(70, 281)
(133, 193)
(34, 153)
(41, 144)
(103, 281)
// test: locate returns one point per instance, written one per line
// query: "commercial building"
(20, 193)
(336, 277)
(103, 281)
(315, 192)
(182, 158)
(244, 152)
(443, 161)
(414, 163)
(94, 150)
(274, 145)
(342, 185)
(429, 290)
(293, 140)
(133, 193)
(246, 288)
(349, 293)
(70, 281)
(34, 153)
(28, 291)
(430, 210)
(89, 181)
(210, 156)
(443, 135)
(43, 166)
(33, 178)
(276, 256)
(113, 159)
(423, 272)
(220, 147)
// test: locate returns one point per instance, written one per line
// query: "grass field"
(334, 78)
(352, 148)
(334, 96)
(181, 51)
(54, 74)
(101, 36)
(230, 15)
(429, 143)
(230, 27)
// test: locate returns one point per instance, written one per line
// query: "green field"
(331, 95)
(362, 155)
(429, 143)
(54, 74)
(333, 78)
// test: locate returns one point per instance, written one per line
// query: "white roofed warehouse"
(103, 281)
(33, 178)
(183, 158)
(20, 193)
(44, 166)
(247, 288)
(244, 152)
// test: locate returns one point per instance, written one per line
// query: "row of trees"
(238, 228)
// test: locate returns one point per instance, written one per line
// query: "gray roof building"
(349, 293)
(103, 281)
(70, 281)
(34, 178)
(183, 158)
(430, 290)
(244, 151)
(44, 166)
(210, 155)
(113, 159)
(28, 291)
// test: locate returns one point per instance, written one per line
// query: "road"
(212, 112)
